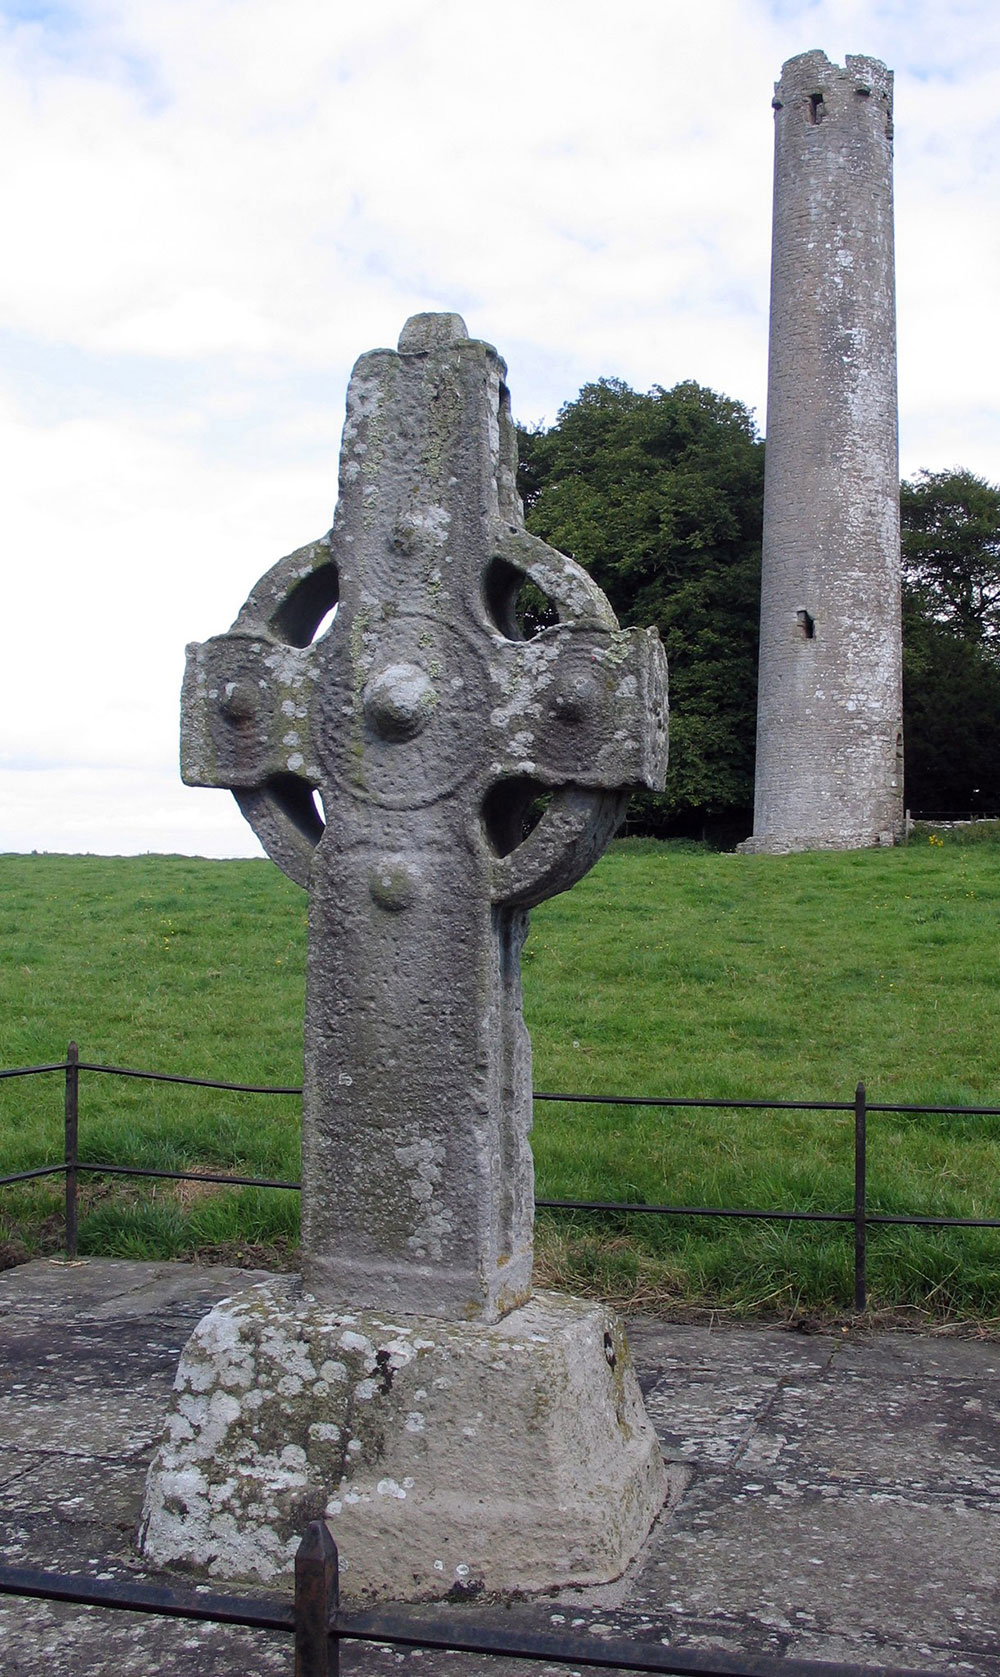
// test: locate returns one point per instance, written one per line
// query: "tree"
(951, 642)
(951, 719)
(660, 497)
(951, 550)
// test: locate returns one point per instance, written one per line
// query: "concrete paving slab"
(941, 1356)
(87, 1421)
(841, 1490)
(899, 1572)
(40, 1636)
(936, 1436)
(94, 1544)
(678, 1348)
(49, 1487)
(871, 1651)
(102, 1288)
(15, 1464)
(707, 1393)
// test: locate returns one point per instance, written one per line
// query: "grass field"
(669, 970)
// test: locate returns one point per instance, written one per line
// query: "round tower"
(829, 715)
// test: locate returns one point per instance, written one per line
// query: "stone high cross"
(392, 762)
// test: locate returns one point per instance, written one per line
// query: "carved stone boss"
(393, 765)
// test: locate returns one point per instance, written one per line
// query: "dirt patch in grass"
(188, 1193)
(281, 1258)
(13, 1252)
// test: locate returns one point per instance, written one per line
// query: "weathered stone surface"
(829, 723)
(426, 723)
(390, 764)
(841, 1497)
(483, 1457)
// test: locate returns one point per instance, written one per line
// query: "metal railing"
(71, 1166)
(963, 815)
(315, 1618)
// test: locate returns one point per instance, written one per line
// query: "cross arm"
(583, 706)
(245, 725)
(587, 715)
(246, 705)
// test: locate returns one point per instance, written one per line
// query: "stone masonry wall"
(829, 727)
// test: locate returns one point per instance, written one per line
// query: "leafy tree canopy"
(660, 497)
(951, 642)
(951, 550)
(951, 719)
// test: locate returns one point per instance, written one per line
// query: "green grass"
(669, 970)
(168, 964)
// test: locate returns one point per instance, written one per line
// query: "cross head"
(430, 761)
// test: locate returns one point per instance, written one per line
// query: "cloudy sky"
(212, 207)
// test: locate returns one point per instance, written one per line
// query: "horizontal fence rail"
(318, 1624)
(71, 1166)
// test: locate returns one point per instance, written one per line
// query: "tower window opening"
(816, 108)
(807, 623)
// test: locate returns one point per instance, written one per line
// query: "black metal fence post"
(72, 1148)
(317, 1596)
(860, 1198)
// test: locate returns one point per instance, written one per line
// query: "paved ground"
(839, 1494)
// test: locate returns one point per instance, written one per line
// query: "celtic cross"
(393, 759)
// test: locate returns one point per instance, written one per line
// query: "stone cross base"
(444, 1456)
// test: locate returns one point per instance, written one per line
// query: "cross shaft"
(427, 725)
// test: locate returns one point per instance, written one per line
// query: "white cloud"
(120, 811)
(218, 204)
